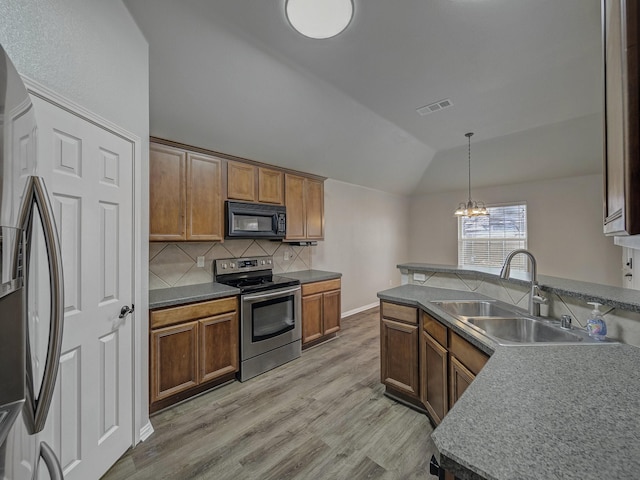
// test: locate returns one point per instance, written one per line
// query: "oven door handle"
(264, 296)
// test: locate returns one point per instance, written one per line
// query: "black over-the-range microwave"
(255, 220)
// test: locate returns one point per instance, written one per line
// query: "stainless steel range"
(270, 313)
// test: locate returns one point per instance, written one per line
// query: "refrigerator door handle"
(36, 409)
(51, 461)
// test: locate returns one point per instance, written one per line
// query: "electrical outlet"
(419, 277)
(201, 261)
(391, 283)
(287, 255)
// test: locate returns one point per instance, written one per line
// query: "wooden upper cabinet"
(249, 183)
(167, 193)
(621, 122)
(314, 206)
(241, 182)
(294, 201)
(270, 186)
(185, 195)
(304, 199)
(204, 198)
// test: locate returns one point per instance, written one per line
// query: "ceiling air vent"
(434, 107)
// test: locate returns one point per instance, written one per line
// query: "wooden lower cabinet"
(423, 362)
(460, 379)
(218, 346)
(192, 348)
(399, 357)
(174, 360)
(320, 311)
(434, 381)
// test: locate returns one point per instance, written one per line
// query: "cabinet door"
(204, 199)
(434, 381)
(621, 122)
(331, 311)
(294, 201)
(241, 182)
(167, 197)
(459, 378)
(399, 356)
(174, 360)
(270, 186)
(311, 317)
(314, 209)
(218, 346)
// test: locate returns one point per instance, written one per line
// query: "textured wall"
(564, 221)
(89, 51)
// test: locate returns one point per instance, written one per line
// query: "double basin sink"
(507, 325)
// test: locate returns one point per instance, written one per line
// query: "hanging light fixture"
(319, 19)
(471, 208)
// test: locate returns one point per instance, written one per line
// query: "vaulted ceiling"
(524, 75)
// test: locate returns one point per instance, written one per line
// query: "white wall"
(365, 238)
(565, 227)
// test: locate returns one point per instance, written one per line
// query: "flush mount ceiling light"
(319, 18)
(471, 208)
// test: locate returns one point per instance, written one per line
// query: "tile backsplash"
(622, 325)
(175, 264)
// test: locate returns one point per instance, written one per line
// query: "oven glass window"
(272, 317)
(252, 223)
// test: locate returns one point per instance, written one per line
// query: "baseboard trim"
(359, 309)
(146, 431)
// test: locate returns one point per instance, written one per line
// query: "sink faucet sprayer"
(535, 296)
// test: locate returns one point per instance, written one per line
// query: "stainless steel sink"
(474, 308)
(508, 325)
(524, 330)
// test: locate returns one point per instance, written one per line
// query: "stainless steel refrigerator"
(31, 290)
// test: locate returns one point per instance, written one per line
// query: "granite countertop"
(168, 297)
(310, 276)
(538, 411)
(617, 297)
(567, 412)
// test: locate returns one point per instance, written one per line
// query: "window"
(486, 241)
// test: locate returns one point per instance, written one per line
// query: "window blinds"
(486, 241)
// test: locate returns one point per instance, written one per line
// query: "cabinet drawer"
(469, 356)
(173, 315)
(317, 287)
(435, 329)
(400, 312)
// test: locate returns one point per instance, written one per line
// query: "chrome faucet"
(535, 295)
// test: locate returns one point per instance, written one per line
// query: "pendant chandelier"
(470, 208)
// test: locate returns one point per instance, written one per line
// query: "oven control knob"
(269, 262)
(233, 265)
(262, 262)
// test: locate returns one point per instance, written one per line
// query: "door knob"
(126, 310)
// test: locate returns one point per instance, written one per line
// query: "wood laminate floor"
(322, 416)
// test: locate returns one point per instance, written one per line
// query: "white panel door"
(89, 174)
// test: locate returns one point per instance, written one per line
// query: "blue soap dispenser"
(595, 324)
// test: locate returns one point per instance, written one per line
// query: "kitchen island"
(539, 411)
